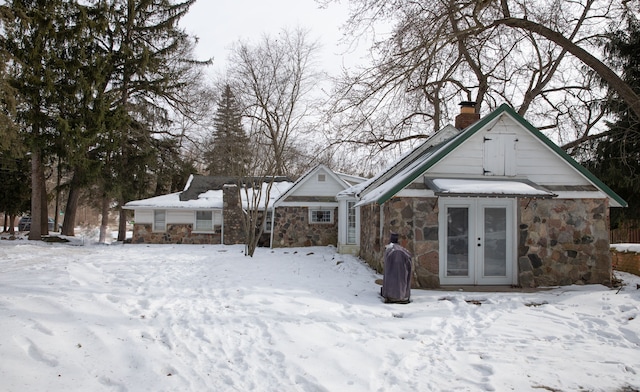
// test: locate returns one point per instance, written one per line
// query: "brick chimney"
(467, 115)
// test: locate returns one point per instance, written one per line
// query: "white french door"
(477, 241)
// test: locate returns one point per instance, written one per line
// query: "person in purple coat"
(396, 283)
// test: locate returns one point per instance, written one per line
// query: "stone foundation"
(175, 234)
(292, 229)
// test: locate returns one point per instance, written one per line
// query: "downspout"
(381, 224)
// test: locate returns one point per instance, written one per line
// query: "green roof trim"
(467, 133)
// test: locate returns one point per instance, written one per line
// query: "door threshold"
(491, 289)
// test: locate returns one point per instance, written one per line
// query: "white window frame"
(352, 225)
(159, 225)
(268, 221)
(313, 216)
(322, 177)
(213, 228)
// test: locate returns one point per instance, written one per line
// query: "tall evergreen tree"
(95, 81)
(15, 186)
(14, 171)
(85, 108)
(37, 36)
(229, 151)
(153, 66)
(617, 154)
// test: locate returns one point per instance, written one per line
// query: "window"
(207, 221)
(351, 222)
(321, 216)
(204, 221)
(159, 220)
(268, 222)
(322, 177)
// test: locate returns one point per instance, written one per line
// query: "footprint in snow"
(35, 353)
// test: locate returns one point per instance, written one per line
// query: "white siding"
(533, 159)
(313, 187)
(172, 216)
(465, 160)
(143, 216)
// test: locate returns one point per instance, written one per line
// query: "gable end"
(469, 132)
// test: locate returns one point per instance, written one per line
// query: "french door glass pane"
(457, 241)
(495, 241)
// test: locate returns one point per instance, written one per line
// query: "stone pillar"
(232, 215)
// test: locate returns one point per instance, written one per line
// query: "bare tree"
(272, 80)
(255, 188)
(539, 58)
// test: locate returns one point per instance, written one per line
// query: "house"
(308, 213)
(488, 201)
(210, 210)
(491, 201)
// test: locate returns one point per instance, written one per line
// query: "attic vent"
(322, 177)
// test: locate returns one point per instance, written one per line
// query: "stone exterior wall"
(292, 229)
(416, 222)
(175, 234)
(371, 248)
(560, 242)
(563, 242)
(626, 261)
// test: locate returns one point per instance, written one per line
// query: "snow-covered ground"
(206, 318)
(626, 247)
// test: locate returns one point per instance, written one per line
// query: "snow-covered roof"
(487, 187)
(206, 200)
(210, 199)
(277, 190)
(379, 183)
(392, 182)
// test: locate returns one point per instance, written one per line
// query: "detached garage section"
(494, 203)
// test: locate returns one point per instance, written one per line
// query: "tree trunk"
(56, 214)
(105, 220)
(68, 225)
(37, 176)
(44, 209)
(12, 229)
(122, 225)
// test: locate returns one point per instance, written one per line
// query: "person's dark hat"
(394, 238)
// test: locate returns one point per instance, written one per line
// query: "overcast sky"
(219, 24)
